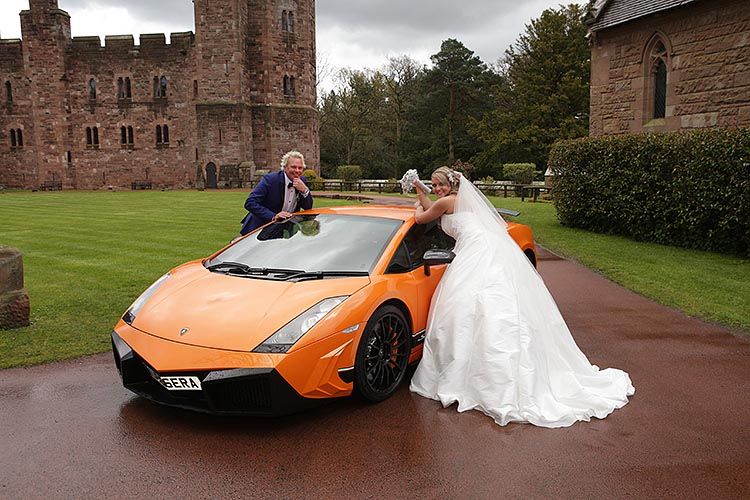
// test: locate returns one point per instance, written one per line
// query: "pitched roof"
(607, 13)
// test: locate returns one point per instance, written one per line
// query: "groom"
(278, 194)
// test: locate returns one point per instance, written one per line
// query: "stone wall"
(222, 83)
(708, 70)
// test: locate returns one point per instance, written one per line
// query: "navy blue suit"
(267, 199)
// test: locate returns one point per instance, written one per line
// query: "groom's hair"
(292, 154)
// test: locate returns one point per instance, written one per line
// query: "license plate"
(181, 383)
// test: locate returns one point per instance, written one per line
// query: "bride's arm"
(437, 208)
(424, 200)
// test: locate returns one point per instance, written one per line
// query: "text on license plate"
(181, 383)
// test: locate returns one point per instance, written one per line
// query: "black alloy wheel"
(382, 354)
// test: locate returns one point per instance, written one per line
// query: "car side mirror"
(435, 258)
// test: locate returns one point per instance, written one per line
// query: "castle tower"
(282, 76)
(223, 116)
(256, 82)
(45, 31)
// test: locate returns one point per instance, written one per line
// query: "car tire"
(382, 354)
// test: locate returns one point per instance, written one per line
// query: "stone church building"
(207, 107)
(669, 64)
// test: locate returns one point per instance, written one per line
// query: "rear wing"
(507, 211)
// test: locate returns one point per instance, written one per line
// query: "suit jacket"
(267, 199)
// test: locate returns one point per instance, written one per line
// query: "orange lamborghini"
(329, 302)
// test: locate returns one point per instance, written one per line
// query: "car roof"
(384, 211)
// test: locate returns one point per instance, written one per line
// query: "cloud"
(356, 34)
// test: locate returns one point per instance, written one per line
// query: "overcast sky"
(351, 33)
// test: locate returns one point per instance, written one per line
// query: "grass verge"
(706, 285)
(88, 255)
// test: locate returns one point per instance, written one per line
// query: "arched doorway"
(211, 176)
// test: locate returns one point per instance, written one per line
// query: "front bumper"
(241, 391)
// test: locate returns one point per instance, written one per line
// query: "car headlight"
(133, 310)
(289, 334)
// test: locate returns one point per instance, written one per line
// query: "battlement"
(11, 54)
(149, 43)
(86, 42)
(119, 42)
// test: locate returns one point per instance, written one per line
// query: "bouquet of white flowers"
(409, 179)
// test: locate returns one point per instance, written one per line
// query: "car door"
(408, 261)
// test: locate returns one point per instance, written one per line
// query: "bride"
(496, 341)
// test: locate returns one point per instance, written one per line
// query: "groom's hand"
(281, 216)
(299, 185)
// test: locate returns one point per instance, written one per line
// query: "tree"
(542, 94)
(456, 89)
(402, 76)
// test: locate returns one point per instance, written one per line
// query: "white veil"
(470, 199)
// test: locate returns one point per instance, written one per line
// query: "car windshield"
(311, 244)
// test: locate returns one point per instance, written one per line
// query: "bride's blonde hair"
(448, 176)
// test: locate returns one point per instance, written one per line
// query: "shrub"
(465, 168)
(689, 189)
(349, 172)
(519, 173)
(313, 179)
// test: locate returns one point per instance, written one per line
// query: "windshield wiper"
(240, 268)
(317, 275)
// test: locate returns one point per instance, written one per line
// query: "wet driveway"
(69, 430)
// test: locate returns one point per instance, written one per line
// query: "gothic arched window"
(290, 24)
(284, 21)
(658, 67)
(92, 89)
(8, 92)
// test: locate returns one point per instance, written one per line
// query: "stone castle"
(208, 108)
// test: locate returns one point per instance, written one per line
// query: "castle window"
(289, 86)
(13, 141)
(92, 89)
(8, 92)
(160, 86)
(284, 21)
(92, 137)
(195, 89)
(290, 25)
(126, 136)
(19, 137)
(162, 135)
(123, 88)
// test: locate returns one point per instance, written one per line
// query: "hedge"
(688, 189)
(349, 172)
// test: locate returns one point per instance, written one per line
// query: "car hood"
(202, 308)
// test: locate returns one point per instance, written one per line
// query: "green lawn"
(87, 255)
(707, 285)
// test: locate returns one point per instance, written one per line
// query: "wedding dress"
(496, 341)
